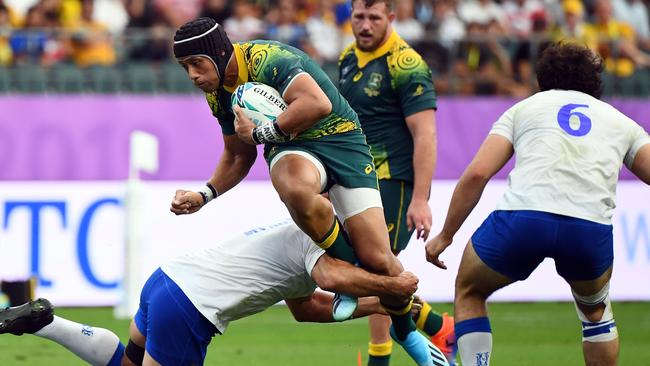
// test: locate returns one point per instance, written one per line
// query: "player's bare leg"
(134, 353)
(475, 282)
(601, 348)
(297, 181)
(369, 237)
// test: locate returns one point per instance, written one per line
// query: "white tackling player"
(569, 149)
(193, 297)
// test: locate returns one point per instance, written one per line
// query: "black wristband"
(256, 140)
(204, 196)
(212, 189)
(279, 131)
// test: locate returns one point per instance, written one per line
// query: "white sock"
(93, 345)
(475, 348)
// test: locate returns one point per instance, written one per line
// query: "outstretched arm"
(494, 153)
(236, 160)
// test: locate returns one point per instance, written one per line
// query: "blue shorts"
(177, 333)
(514, 243)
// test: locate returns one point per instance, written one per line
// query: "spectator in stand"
(13, 14)
(451, 28)
(482, 65)
(112, 14)
(405, 23)
(5, 30)
(287, 29)
(323, 33)
(219, 10)
(141, 13)
(28, 44)
(616, 42)
(482, 12)
(573, 27)
(156, 47)
(89, 42)
(519, 16)
(635, 12)
(177, 12)
(244, 24)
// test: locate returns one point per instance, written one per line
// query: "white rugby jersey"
(569, 149)
(247, 274)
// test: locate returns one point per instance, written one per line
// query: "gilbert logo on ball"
(259, 102)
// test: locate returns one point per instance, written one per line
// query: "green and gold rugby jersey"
(384, 87)
(276, 65)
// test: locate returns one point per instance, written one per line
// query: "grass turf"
(524, 334)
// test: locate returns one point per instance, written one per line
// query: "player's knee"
(297, 198)
(595, 313)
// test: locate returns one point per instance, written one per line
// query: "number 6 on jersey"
(564, 119)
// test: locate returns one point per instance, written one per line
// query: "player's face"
(370, 25)
(202, 72)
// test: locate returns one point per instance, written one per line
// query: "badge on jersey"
(374, 84)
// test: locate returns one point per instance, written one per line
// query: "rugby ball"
(259, 102)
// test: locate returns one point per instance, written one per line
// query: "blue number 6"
(564, 116)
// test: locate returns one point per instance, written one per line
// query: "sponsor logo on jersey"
(374, 84)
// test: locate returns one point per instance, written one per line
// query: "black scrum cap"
(205, 37)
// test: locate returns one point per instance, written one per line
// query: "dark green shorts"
(396, 196)
(346, 158)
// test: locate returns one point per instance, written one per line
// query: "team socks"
(336, 243)
(474, 341)
(402, 320)
(97, 346)
(428, 321)
(379, 354)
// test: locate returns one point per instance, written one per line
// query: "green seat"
(30, 79)
(104, 80)
(5, 80)
(141, 78)
(175, 79)
(609, 84)
(67, 78)
(643, 81)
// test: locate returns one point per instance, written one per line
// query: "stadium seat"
(104, 80)
(644, 83)
(67, 78)
(175, 79)
(5, 81)
(141, 78)
(30, 79)
(609, 84)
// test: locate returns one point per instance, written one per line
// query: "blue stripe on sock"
(598, 330)
(475, 325)
(116, 360)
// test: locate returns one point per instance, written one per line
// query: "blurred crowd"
(473, 46)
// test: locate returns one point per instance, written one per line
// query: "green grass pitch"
(524, 334)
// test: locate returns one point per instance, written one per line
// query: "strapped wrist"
(208, 193)
(268, 132)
